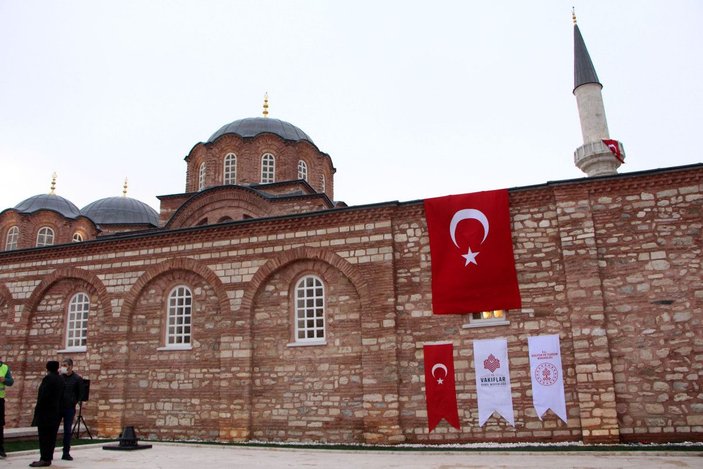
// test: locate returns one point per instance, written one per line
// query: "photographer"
(73, 390)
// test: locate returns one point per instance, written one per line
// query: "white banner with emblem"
(547, 375)
(493, 380)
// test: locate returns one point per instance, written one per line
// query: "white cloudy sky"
(411, 99)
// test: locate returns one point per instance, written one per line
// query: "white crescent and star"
(469, 214)
(441, 366)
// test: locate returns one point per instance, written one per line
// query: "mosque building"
(255, 306)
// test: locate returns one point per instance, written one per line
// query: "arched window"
(77, 322)
(178, 325)
(323, 183)
(201, 177)
(268, 168)
(45, 236)
(309, 310)
(230, 169)
(302, 170)
(77, 237)
(13, 235)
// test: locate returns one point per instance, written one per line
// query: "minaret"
(593, 157)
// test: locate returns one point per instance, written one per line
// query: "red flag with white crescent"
(614, 147)
(471, 246)
(440, 387)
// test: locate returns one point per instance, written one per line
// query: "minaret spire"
(594, 157)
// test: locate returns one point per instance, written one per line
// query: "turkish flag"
(614, 147)
(440, 390)
(471, 246)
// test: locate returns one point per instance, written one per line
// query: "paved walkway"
(175, 456)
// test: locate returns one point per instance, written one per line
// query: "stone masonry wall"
(612, 265)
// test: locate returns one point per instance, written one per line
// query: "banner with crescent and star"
(473, 268)
(493, 380)
(440, 387)
(547, 375)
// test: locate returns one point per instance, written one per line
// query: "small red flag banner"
(614, 147)
(440, 387)
(471, 246)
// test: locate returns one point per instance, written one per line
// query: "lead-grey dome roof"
(120, 211)
(52, 202)
(253, 126)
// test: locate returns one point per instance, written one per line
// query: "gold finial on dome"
(124, 188)
(573, 14)
(266, 104)
(53, 183)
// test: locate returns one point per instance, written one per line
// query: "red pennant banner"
(473, 268)
(440, 387)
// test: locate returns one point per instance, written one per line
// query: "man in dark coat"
(72, 393)
(47, 413)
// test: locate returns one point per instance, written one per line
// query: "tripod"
(77, 426)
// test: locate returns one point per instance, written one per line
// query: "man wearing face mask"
(72, 393)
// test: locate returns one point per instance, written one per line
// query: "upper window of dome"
(201, 177)
(13, 235)
(230, 169)
(268, 168)
(45, 236)
(302, 170)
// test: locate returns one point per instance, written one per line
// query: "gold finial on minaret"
(124, 188)
(53, 182)
(266, 104)
(573, 14)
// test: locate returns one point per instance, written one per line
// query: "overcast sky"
(410, 99)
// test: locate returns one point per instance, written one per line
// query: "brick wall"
(611, 265)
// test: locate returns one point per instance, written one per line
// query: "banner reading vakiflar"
(493, 380)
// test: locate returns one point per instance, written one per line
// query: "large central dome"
(253, 126)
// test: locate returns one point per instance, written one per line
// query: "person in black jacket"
(72, 393)
(47, 413)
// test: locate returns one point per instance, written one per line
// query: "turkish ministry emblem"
(547, 377)
(440, 388)
(471, 246)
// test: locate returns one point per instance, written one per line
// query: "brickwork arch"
(181, 263)
(303, 253)
(67, 273)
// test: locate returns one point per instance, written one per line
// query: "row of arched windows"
(309, 311)
(45, 237)
(268, 170)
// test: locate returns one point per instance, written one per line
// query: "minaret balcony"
(596, 159)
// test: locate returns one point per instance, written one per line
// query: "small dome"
(49, 202)
(120, 211)
(253, 126)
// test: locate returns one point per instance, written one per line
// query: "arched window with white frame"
(13, 236)
(45, 236)
(179, 318)
(229, 173)
(302, 170)
(77, 322)
(77, 237)
(323, 183)
(201, 177)
(268, 168)
(310, 310)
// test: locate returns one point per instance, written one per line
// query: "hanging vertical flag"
(547, 375)
(440, 389)
(473, 268)
(493, 380)
(614, 147)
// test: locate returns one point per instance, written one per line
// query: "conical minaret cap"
(584, 72)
